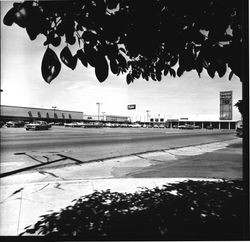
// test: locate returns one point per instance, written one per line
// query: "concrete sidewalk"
(25, 197)
(21, 205)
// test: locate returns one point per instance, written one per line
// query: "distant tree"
(143, 38)
(239, 105)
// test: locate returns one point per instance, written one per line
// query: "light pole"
(54, 107)
(147, 114)
(98, 109)
(103, 113)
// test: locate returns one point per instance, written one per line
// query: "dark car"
(1, 124)
(38, 125)
(209, 127)
(197, 127)
(186, 126)
(15, 124)
(239, 129)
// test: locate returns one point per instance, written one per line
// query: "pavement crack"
(34, 201)
(169, 153)
(33, 158)
(58, 186)
(40, 189)
(71, 158)
(47, 158)
(49, 173)
(15, 192)
(148, 158)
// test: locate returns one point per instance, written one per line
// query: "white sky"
(79, 90)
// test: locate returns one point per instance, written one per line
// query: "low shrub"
(190, 210)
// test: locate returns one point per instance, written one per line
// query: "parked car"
(197, 127)
(38, 125)
(186, 126)
(135, 125)
(161, 126)
(15, 124)
(74, 125)
(239, 129)
(58, 124)
(123, 125)
(93, 125)
(1, 124)
(209, 127)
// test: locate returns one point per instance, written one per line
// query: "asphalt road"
(21, 148)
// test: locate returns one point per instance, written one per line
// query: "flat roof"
(52, 109)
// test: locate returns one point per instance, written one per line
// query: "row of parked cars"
(112, 125)
(37, 125)
(43, 125)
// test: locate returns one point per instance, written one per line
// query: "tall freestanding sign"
(131, 107)
(226, 105)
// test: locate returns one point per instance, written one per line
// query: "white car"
(73, 125)
(136, 125)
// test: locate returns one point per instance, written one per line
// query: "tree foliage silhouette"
(140, 38)
(240, 107)
(197, 210)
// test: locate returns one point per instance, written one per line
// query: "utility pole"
(103, 113)
(54, 107)
(98, 110)
(147, 115)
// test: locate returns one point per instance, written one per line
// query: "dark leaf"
(67, 58)
(211, 71)
(122, 61)
(166, 71)
(82, 57)
(112, 51)
(51, 65)
(22, 14)
(102, 69)
(172, 72)
(9, 18)
(91, 54)
(231, 75)
(70, 39)
(114, 66)
(129, 78)
(221, 69)
(56, 41)
(152, 75)
(158, 75)
(89, 36)
(32, 31)
(180, 71)
(112, 4)
(174, 60)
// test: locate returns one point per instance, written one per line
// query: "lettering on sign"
(131, 106)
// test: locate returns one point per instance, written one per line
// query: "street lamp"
(147, 114)
(54, 107)
(98, 107)
(103, 115)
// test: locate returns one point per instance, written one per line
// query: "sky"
(187, 96)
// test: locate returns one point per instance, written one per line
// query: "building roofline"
(51, 109)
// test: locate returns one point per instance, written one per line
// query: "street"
(21, 148)
(63, 164)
